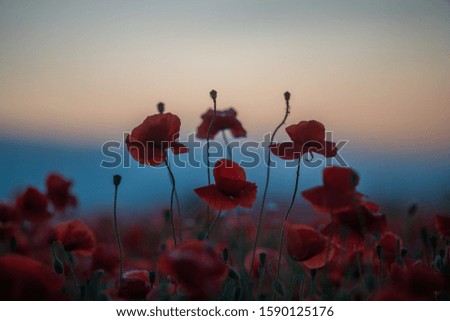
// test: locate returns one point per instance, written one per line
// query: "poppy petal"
(215, 198)
(287, 150)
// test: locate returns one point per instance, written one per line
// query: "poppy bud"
(160, 107)
(278, 287)
(117, 179)
(225, 255)
(213, 94)
(152, 277)
(233, 274)
(287, 95)
(379, 248)
(442, 253)
(262, 258)
(313, 273)
(403, 252)
(58, 266)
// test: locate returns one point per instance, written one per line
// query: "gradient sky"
(82, 72)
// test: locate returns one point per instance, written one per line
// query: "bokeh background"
(74, 75)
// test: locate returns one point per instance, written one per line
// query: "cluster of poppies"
(348, 252)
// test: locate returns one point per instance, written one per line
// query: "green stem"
(266, 185)
(172, 179)
(213, 223)
(207, 156)
(116, 228)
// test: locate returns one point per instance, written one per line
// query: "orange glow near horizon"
(375, 73)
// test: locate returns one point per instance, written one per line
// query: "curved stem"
(172, 179)
(207, 155)
(177, 200)
(227, 145)
(69, 263)
(213, 223)
(116, 228)
(266, 185)
(287, 216)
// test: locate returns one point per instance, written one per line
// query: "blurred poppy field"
(233, 246)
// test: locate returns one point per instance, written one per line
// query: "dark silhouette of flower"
(148, 142)
(307, 137)
(58, 192)
(442, 224)
(225, 119)
(9, 220)
(306, 245)
(231, 188)
(23, 278)
(338, 192)
(33, 205)
(76, 237)
(196, 268)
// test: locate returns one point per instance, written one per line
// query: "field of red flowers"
(351, 250)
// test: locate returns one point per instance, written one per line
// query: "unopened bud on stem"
(213, 94)
(160, 107)
(117, 179)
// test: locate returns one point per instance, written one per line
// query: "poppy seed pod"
(287, 95)
(213, 94)
(160, 107)
(117, 179)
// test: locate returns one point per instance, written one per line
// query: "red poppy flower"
(306, 245)
(307, 137)
(58, 192)
(33, 205)
(23, 278)
(135, 285)
(231, 188)
(148, 142)
(9, 220)
(442, 224)
(76, 237)
(353, 225)
(197, 269)
(338, 192)
(224, 120)
(419, 282)
(106, 257)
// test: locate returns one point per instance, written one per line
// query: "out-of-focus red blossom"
(9, 220)
(306, 245)
(196, 268)
(351, 227)
(391, 244)
(338, 192)
(23, 278)
(106, 257)
(271, 259)
(418, 282)
(58, 192)
(148, 142)
(135, 285)
(225, 119)
(442, 224)
(307, 137)
(76, 237)
(231, 188)
(33, 205)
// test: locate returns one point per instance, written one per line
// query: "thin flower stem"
(116, 228)
(227, 145)
(69, 263)
(207, 150)
(172, 179)
(213, 223)
(287, 216)
(177, 200)
(266, 185)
